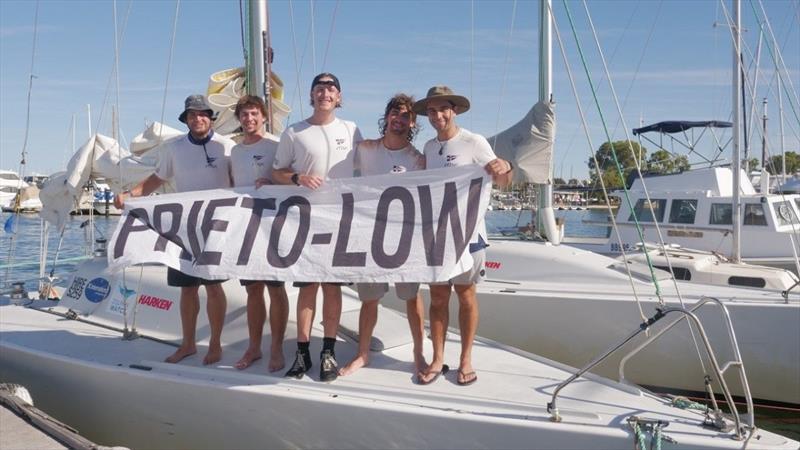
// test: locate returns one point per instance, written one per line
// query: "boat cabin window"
(754, 214)
(747, 281)
(721, 214)
(785, 213)
(683, 211)
(646, 212)
(9, 176)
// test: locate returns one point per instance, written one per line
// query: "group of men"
(317, 149)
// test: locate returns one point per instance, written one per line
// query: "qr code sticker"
(76, 288)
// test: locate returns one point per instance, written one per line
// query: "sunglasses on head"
(326, 83)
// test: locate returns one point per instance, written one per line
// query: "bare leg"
(468, 323)
(331, 308)
(216, 305)
(440, 312)
(416, 322)
(256, 315)
(306, 307)
(190, 308)
(278, 317)
(367, 318)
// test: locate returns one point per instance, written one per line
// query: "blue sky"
(667, 60)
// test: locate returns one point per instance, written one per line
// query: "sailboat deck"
(513, 386)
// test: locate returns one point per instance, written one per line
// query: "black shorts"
(177, 278)
(302, 284)
(270, 283)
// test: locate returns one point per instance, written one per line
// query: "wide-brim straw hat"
(460, 103)
(196, 103)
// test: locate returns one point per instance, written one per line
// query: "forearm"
(282, 176)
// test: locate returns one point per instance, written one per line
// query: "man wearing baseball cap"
(310, 152)
(197, 161)
(455, 146)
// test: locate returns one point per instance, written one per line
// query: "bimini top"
(676, 126)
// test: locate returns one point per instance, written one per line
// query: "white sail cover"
(529, 144)
(102, 157)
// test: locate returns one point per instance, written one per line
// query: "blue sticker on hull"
(97, 290)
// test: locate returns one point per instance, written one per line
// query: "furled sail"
(227, 86)
(529, 144)
(102, 157)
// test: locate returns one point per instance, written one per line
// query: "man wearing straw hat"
(455, 146)
(251, 165)
(197, 161)
(309, 152)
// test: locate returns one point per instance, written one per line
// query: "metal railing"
(719, 370)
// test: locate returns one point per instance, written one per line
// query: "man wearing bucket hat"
(196, 161)
(455, 146)
(311, 151)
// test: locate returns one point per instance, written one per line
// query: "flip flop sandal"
(445, 369)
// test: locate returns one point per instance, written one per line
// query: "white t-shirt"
(323, 150)
(253, 161)
(464, 148)
(193, 169)
(373, 158)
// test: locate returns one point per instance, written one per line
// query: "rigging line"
(296, 64)
(110, 77)
(241, 33)
(169, 67)
(782, 66)
(777, 59)
(505, 71)
(30, 89)
(657, 227)
(610, 144)
(313, 37)
(471, 57)
(641, 59)
(330, 35)
(116, 121)
(585, 127)
(21, 172)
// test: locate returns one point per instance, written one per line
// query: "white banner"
(396, 227)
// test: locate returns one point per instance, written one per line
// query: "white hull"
(568, 305)
(113, 390)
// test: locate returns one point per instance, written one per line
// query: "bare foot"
(358, 362)
(180, 353)
(276, 361)
(249, 357)
(420, 365)
(214, 355)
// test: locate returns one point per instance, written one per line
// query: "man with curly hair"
(392, 153)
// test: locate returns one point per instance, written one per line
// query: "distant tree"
(662, 161)
(625, 151)
(573, 182)
(559, 182)
(775, 163)
(750, 164)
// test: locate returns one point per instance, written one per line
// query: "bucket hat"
(460, 103)
(196, 103)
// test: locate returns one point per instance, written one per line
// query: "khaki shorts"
(474, 275)
(376, 291)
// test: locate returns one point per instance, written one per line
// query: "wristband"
(296, 179)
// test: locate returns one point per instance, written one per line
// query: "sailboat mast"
(256, 65)
(736, 250)
(545, 217)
